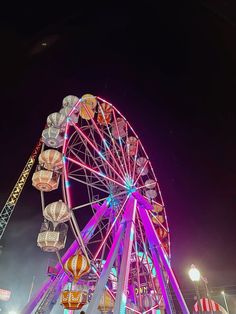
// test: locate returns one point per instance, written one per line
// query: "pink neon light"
(109, 291)
(135, 158)
(146, 255)
(96, 127)
(152, 308)
(93, 146)
(160, 244)
(66, 185)
(109, 231)
(114, 145)
(122, 150)
(146, 162)
(65, 138)
(159, 190)
(133, 310)
(135, 134)
(94, 171)
(159, 222)
(143, 186)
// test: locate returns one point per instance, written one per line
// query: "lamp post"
(195, 276)
(226, 304)
(204, 279)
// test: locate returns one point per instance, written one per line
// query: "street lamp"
(226, 304)
(195, 276)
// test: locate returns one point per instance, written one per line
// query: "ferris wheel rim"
(70, 123)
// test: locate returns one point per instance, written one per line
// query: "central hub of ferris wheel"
(98, 172)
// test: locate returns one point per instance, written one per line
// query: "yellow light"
(222, 292)
(194, 273)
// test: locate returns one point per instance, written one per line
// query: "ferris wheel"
(103, 187)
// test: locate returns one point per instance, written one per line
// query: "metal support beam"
(11, 202)
(93, 305)
(157, 250)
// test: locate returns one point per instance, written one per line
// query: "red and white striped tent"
(208, 306)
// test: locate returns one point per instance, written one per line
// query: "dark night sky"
(170, 69)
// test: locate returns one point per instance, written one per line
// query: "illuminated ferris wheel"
(119, 261)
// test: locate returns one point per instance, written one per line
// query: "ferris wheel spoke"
(139, 175)
(95, 202)
(120, 141)
(159, 222)
(88, 157)
(128, 155)
(137, 264)
(88, 183)
(106, 167)
(147, 185)
(110, 229)
(146, 253)
(96, 149)
(134, 161)
(85, 174)
(113, 144)
(94, 171)
(102, 138)
(163, 205)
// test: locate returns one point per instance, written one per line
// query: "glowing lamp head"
(222, 292)
(194, 273)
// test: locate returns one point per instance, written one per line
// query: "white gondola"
(51, 159)
(52, 137)
(70, 101)
(45, 180)
(57, 212)
(56, 120)
(66, 111)
(50, 239)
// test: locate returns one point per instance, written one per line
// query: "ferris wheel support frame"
(93, 305)
(127, 226)
(157, 251)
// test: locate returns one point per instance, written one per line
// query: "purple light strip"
(135, 159)
(109, 231)
(141, 200)
(154, 242)
(146, 256)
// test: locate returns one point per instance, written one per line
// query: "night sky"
(170, 69)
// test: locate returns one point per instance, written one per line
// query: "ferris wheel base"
(133, 206)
